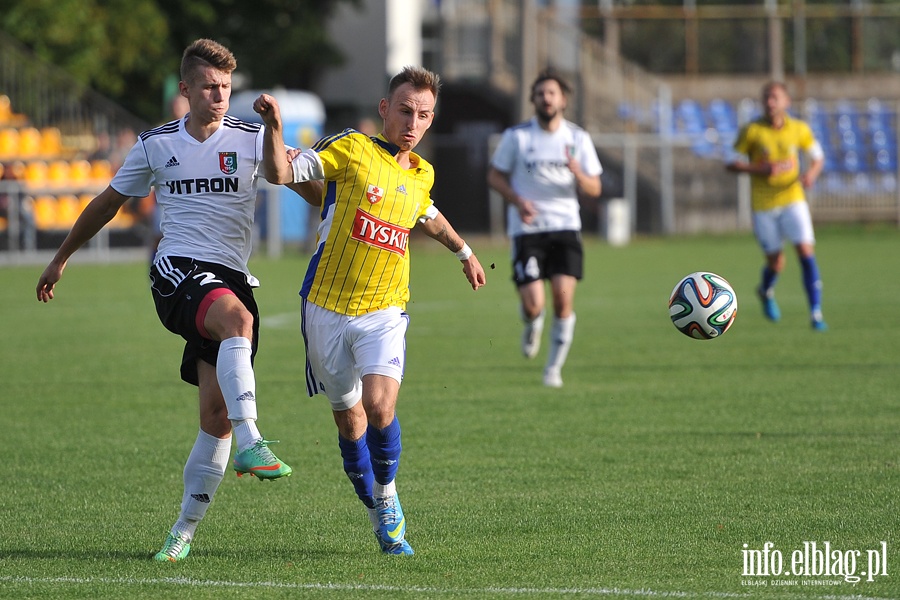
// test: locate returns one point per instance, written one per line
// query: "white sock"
(246, 433)
(383, 491)
(561, 335)
(238, 384)
(203, 472)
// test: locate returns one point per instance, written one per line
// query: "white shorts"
(792, 222)
(341, 350)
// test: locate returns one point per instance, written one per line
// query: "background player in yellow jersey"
(376, 189)
(780, 211)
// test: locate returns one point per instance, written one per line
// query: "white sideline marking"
(289, 320)
(186, 581)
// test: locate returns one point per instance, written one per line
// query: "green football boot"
(258, 460)
(176, 548)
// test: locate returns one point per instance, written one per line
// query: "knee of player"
(236, 322)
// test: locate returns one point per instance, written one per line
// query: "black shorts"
(539, 256)
(182, 288)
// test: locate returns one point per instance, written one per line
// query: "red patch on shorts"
(204, 308)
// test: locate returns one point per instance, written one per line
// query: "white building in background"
(377, 39)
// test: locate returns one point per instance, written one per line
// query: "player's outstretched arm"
(439, 228)
(96, 214)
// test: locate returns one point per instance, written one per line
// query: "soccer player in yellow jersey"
(772, 145)
(376, 189)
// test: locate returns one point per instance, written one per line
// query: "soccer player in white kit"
(204, 167)
(541, 167)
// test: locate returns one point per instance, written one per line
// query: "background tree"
(128, 49)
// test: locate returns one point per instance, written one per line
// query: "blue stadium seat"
(831, 163)
(862, 183)
(881, 138)
(879, 115)
(885, 160)
(721, 116)
(852, 162)
(689, 117)
(831, 183)
(851, 140)
(886, 183)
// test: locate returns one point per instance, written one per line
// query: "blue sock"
(769, 277)
(812, 282)
(384, 446)
(358, 467)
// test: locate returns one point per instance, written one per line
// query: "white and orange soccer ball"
(703, 305)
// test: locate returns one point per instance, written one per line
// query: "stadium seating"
(51, 142)
(80, 173)
(5, 109)
(56, 185)
(29, 142)
(36, 174)
(859, 139)
(9, 143)
(43, 211)
(67, 210)
(58, 173)
(101, 172)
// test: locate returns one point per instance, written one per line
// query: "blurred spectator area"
(859, 138)
(60, 144)
(47, 178)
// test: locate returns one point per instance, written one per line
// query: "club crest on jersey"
(228, 162)
(374, 193)
(381, 234)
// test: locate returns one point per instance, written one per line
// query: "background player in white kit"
(204, 168)
(541, 167)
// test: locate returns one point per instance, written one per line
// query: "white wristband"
(464, 253)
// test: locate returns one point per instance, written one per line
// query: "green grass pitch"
(656, 469)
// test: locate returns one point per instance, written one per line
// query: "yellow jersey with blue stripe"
(370, 203)
(762, 142)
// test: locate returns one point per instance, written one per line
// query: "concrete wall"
(821, 87)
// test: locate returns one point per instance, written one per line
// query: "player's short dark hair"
(418, 77)
(551, 74)
(206, 53)
(771, 85)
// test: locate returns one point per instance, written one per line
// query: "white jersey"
(536, 161)
(206, 190)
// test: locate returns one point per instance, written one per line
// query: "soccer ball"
(703, 305)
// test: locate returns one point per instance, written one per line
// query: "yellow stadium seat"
(36, 173)
(29, 142)
(51, 142)
(66, 210)
(58, 173)
(83, 201)
(79, 172)
(44, 211)
(5, 109)
(9, 142)
(3, 224)
(101, 171)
